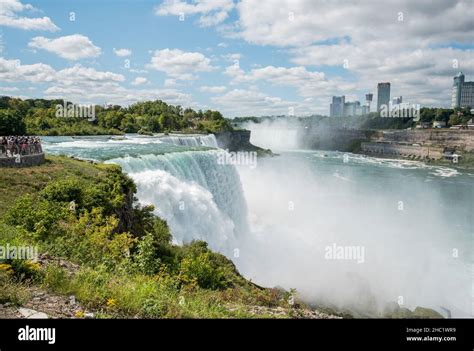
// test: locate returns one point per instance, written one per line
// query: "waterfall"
(197, 196)
(279, 135)
(191, 140)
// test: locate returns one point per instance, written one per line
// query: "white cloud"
(213, 19)
(83, 75)
(234, 57)
(9, 89)
(212, 12)
(71, 47)
(242, 102)
(84, 84)
(139, 81)
(307, 83)
(9, 17)
(212, 89)
(122, 52)
(170, 83)
(116, 94)
(304, 22)
(14, 71)
(405, 42)
(180, 64)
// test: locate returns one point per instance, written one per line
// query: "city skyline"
(239, 57)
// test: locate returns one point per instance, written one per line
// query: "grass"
(122, 295)
(15, 182)
(133, 272)
(12, 292)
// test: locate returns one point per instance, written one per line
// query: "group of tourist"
(11, 146)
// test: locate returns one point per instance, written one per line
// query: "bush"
(92, 241)
(38, 216)
(147, 258)
(201, 270)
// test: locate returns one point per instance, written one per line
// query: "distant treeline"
(40, 117)
(372, 120)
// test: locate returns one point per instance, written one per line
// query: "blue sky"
(241, 57)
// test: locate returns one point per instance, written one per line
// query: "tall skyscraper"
(383, 95)
(336, 108)
(462, 93)
(368, 101)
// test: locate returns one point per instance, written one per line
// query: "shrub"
(200, 269)
(38, 216)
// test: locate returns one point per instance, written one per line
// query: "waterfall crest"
(200, 198)
(191, 140)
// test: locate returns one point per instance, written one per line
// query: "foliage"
(38, 117)
(128, 265)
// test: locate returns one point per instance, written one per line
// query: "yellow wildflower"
(6, 268)
(80, 314)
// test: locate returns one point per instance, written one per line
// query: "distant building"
(383, 95)
(462, 92)
(352, 109)
(368, 101)
(424, 125)
(397, 100)
(336, 108)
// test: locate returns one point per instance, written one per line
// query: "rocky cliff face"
(350, 139)
(455, 139)
(239, 140)
(335, 139)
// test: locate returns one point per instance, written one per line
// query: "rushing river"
(342, 229)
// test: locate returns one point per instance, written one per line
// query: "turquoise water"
(275, 221)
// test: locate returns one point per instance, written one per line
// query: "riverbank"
(113, 258)
(446, 147)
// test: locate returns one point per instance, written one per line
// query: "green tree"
(11, 122)
(454, 119)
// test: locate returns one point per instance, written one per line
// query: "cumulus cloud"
(307, 83)
(122, 52)
(305, 22)
(14, 71)
(10, 17)
(139, 81)
(411, 44)
(211, 12)
(85, 84)
(212, 89)
(179, 64)
(248, 102)
(71, 47)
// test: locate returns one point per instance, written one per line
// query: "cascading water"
(191, 140)
(200, 198)
(303, 202)
(274, 135)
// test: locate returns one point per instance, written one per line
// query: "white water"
(408, 253)
(280, 135)
(193, 141)
(199, 198)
